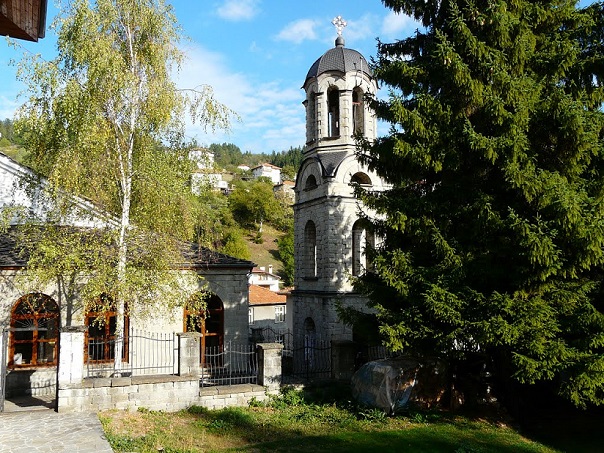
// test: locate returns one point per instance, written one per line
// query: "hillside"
(266, 253)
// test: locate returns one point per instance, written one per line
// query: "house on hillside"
(261, 277)
(205, 174)
(267, 310)
(202, 178)
(32, 322)
(203, 158)
(269, 171)
(286, 189)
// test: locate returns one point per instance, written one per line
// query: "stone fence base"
(159, 393)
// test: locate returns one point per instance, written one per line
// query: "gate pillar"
(269, 365)
(71, 356)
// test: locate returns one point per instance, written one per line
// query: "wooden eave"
(23, 19)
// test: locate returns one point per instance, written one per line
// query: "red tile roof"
(263, 296)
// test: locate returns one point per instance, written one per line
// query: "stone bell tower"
(330, 237)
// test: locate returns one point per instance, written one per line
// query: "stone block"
(101, 382)
(121, 382)
(208, 391)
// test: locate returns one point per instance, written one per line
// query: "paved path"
(48, 431)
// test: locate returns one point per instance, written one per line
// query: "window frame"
(101, 320)
(279, 314)
(34, 319)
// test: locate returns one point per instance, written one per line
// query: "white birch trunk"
(126, 174)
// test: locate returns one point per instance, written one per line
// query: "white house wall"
(33, 203)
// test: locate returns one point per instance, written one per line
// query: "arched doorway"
(29, 368)
(34, 332)
(209, 322)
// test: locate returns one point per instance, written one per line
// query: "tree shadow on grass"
(574, 430)
(342, 431)
(430, 438)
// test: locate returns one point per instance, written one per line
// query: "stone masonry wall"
(158, 393)
(168, 392)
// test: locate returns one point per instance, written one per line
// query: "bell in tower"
(331, 235)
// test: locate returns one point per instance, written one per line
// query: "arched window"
(210, 323)
(310, 250)
(101, 332)
(362, 240)
(311, 183)
(34, 336)
(358, 110)
(333, 112)
(309, 327)
(361, 178)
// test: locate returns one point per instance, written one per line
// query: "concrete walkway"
(45, 430)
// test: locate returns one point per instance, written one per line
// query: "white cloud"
(272, 116)
(298, 31)
(361, 29)
(238, 10)
(398, 25)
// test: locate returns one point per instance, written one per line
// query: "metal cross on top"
(339, 23)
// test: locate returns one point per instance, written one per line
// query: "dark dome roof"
(340, 59)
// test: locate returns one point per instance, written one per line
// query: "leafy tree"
(494, 227)
(285, 247)
(105, 121)
(234, 244)
(7, 131)
(213, 218)
(288, 173)
(283, 218)
(253, 203)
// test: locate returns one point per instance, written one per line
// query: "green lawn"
(293, 424)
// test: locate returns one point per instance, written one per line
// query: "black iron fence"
(305, 358)
(310, 357)
(141, 352)
(309, 360)
(229, 364)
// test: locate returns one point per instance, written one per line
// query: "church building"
(330, 234)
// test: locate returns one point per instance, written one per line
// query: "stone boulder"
(394, 384)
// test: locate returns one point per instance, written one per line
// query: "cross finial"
(339, 23)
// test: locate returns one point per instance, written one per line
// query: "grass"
(294, 423)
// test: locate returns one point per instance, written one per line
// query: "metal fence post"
(3, 364)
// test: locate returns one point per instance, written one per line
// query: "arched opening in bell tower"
(362, 241)
(358, 110)
(333, 111)
(310, 246)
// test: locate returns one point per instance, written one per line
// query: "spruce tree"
(493, 231)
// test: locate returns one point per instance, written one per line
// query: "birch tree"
(104, 120)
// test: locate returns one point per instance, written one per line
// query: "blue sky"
(254, 53)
